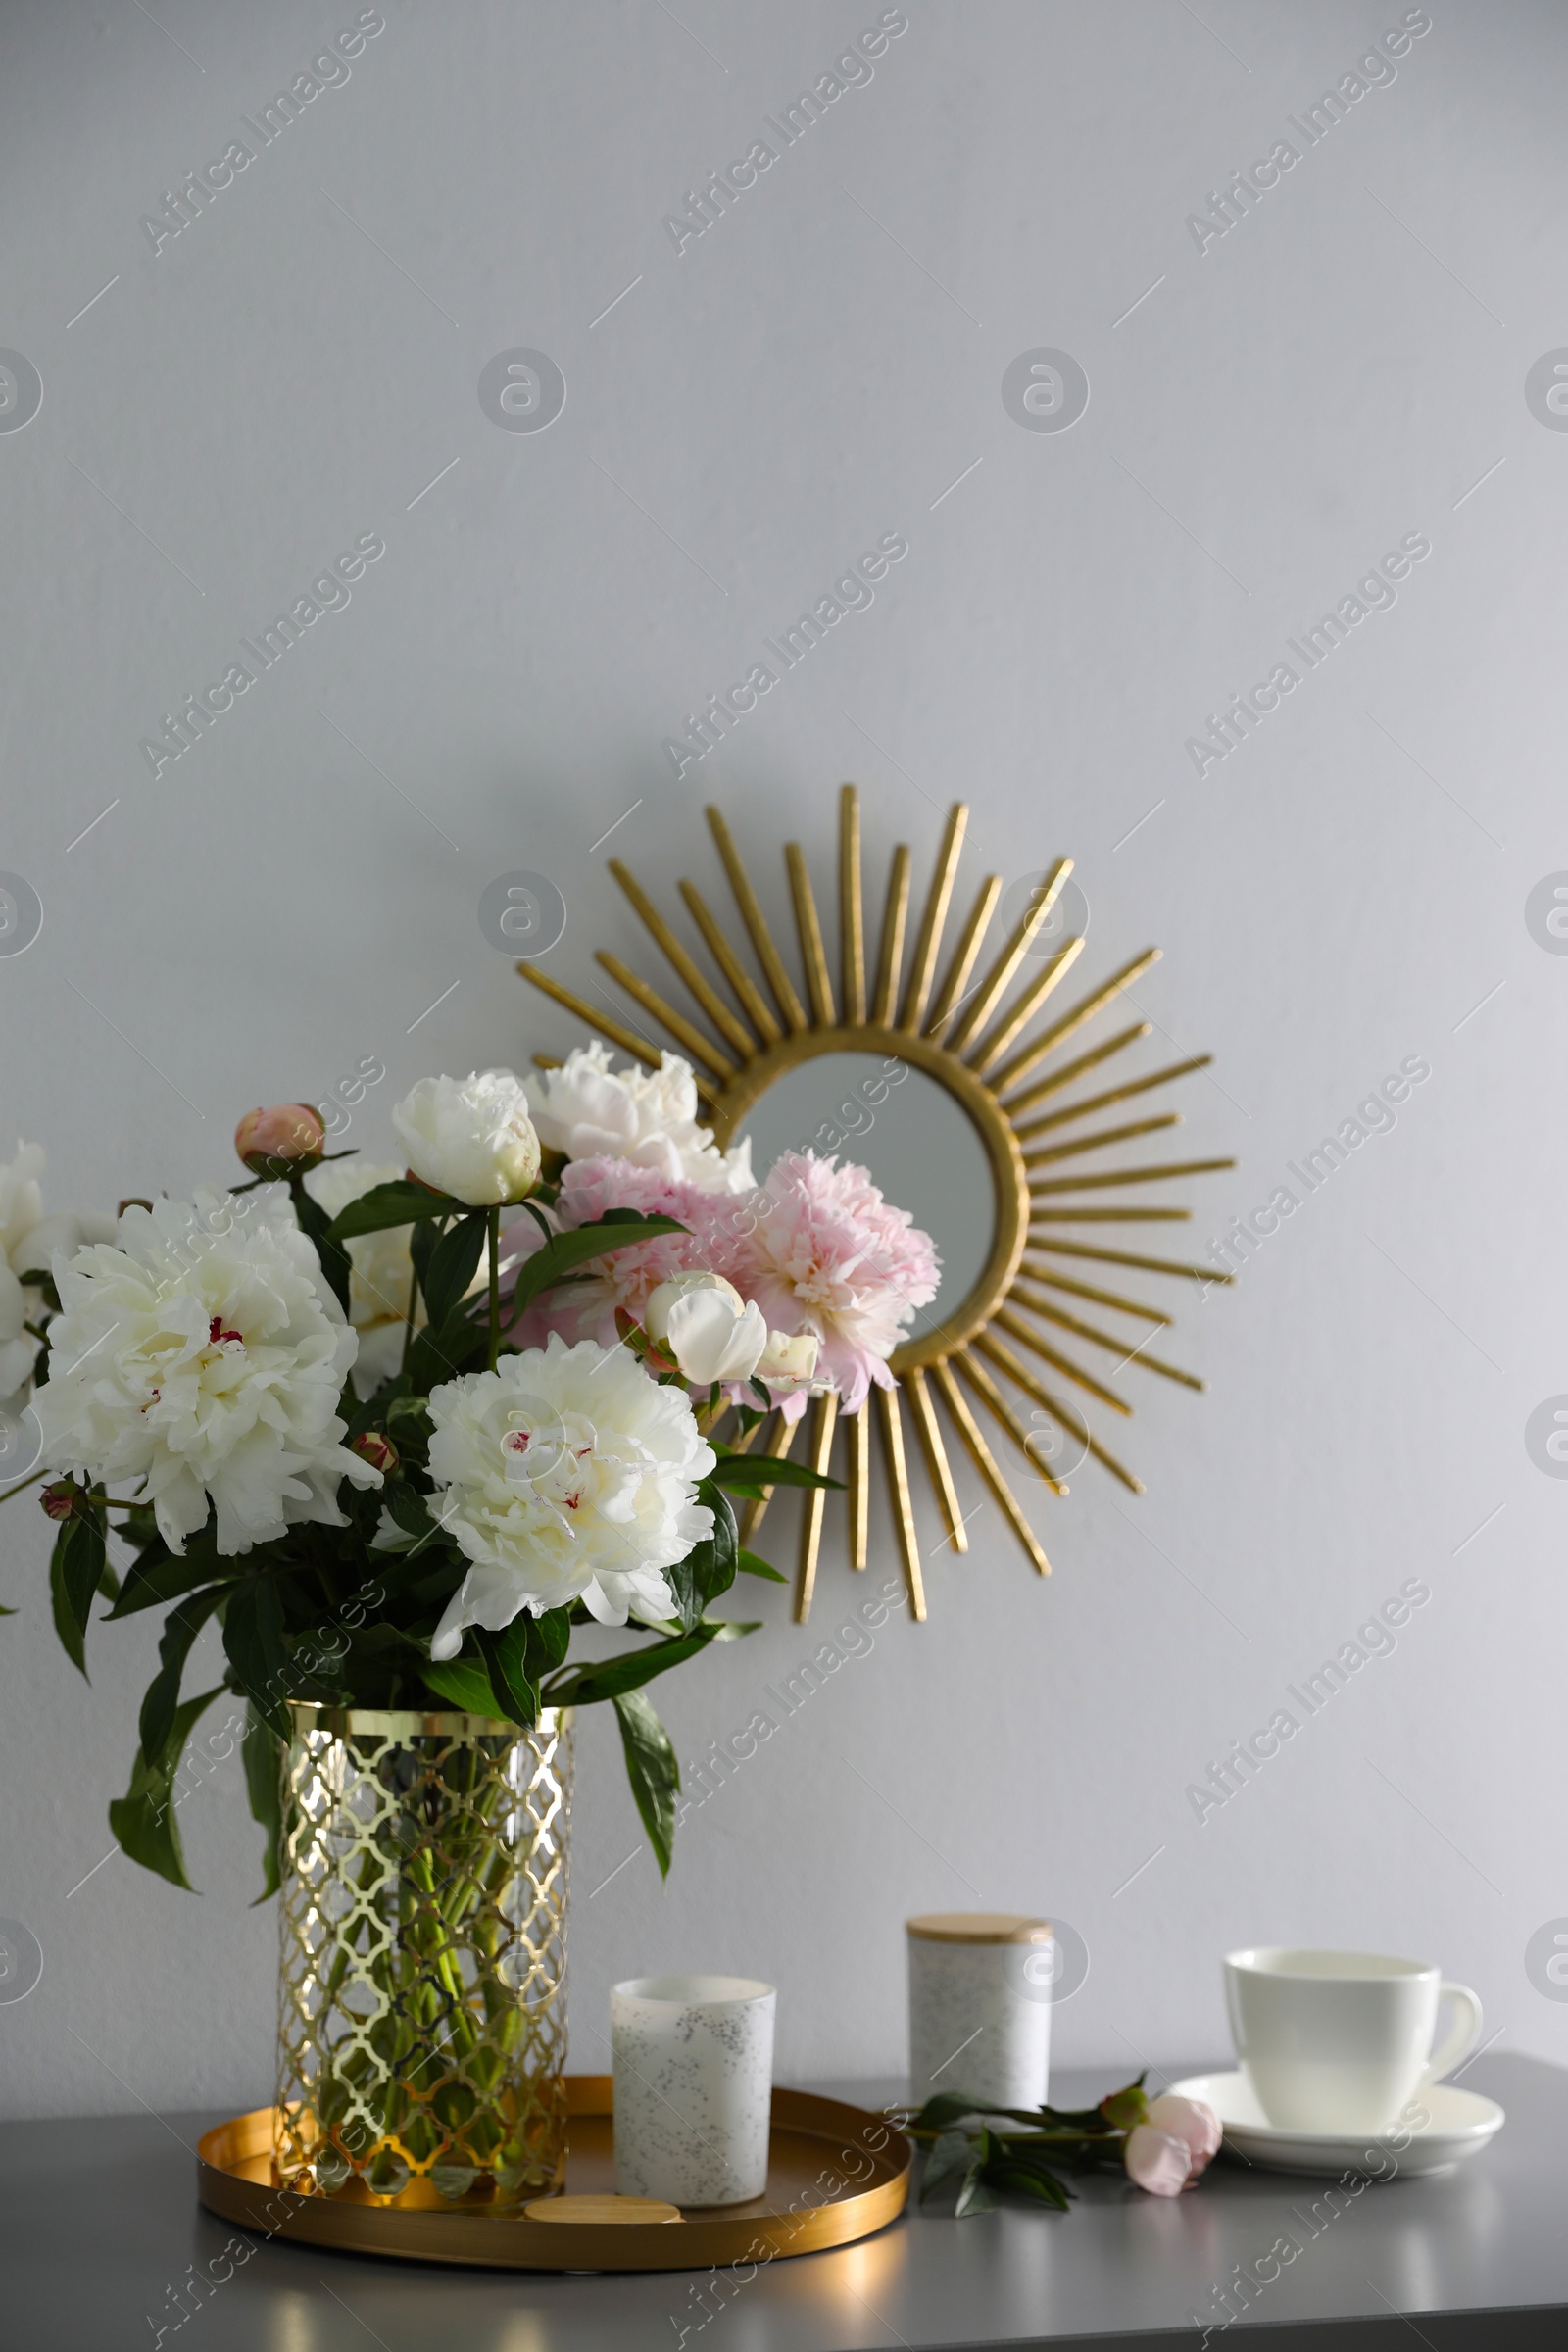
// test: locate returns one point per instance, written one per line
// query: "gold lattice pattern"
(423, 1985)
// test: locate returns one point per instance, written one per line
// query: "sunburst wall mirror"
(938, 1069)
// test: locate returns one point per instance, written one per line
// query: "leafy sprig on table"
(966, 2148)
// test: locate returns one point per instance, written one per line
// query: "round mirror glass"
(916, 1139)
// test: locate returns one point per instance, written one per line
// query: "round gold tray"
(835, 2174)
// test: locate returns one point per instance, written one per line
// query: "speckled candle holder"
(980, 1986)
(693, 2059)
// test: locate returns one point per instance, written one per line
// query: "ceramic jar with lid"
(980, 1984)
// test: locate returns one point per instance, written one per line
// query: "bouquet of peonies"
(402, 1431)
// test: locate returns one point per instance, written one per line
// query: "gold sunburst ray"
(1098, 1140)
(1125, 1258)
(907, 980)
(1116, 1094)
(1056, 1280)
(1110, 1341)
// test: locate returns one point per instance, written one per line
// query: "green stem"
(408, 1320)
(492, 1246)
(24, 1483)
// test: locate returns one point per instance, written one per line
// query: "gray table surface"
(99, 2222)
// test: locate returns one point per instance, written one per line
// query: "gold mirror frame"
(975, 1039)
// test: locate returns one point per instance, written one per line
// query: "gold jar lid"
(978, 1927)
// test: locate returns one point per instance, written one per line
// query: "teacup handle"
(1463, 2034)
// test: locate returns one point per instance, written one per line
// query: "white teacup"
(1340, 2042)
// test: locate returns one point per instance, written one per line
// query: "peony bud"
(379, 1452)
(283, 1141)
(701, 1321)
(60, 1498)
(1122, 2109)
(470, 1138)
(788, 1361)
(1189, 2121)
(1159, 2161)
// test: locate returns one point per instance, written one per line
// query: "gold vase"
(423, 1982)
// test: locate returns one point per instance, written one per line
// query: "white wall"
(1341, 892)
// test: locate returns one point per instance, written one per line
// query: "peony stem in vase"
(493, 1248)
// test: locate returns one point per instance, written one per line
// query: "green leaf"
(144, 1820)
(616, 1230)
(653, 1772)
(451, 1265)
(549, 1639)
(461, 1683)
(683, 1582)
(181, 1629)
(617, 1676)
(253, 1637)
(951, 2155)
(974, 2196)
(750, 1473)
(947, 2108)
(407, 1419)
(410, 1510)
(263, 1784)
(402, 1203)
(314, 1221)
(83, 1558)
(1030, 2183)
(66, 1625)
(160, 1576)
(719, 1554)
(709, 1568)
(506, 1660)
(441, 1354)
(76, 1567)
(943, 2111)
(749, 1565)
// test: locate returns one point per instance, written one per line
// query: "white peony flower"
(470, 1137)
(380, 1269)
(205, 1357)
(569, 1473)
(18, 1351)
(27, 1241)
(65, 1230)
(590, 1111)
(21, 1195)
(706, 1326)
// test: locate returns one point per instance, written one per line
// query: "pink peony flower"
(1193, 2122)
(820, 1251)
(586, 1310)
(1159, 2161)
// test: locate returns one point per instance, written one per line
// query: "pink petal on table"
(1159, 2161)
(1190, 2120)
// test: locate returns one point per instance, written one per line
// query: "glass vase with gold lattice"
(422, 1980)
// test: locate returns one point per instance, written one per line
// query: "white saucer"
(1462, 2124)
